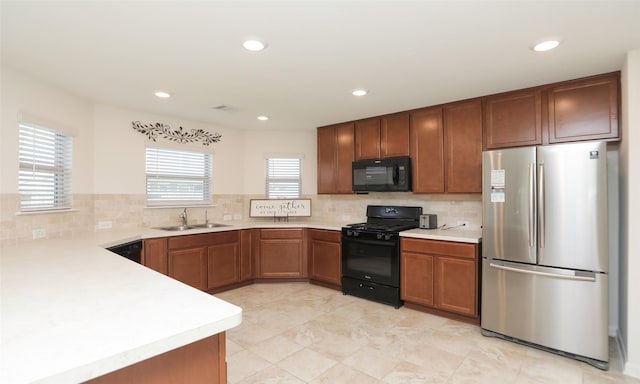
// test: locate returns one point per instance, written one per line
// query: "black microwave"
(392, 174)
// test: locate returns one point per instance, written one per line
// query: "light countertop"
(454, 234)
(72, 311)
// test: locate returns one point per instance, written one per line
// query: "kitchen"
(109, 188)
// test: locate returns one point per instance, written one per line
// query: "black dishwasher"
(131, 250)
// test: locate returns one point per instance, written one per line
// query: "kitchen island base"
(200, 362)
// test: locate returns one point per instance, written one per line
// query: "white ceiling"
(409, 54)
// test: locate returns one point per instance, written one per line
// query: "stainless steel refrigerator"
(545, 248)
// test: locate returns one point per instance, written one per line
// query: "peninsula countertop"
(72, 311)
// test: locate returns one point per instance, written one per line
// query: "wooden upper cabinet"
(463, 147)
(381, 137)
(367, 141)
(335, 155)
(585, 109)
(427, 155)
(394, 135)
(513, 119)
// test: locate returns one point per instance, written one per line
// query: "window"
(284, 178)
(44, 176)
(178, 177)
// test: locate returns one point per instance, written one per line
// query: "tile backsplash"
(93, 212)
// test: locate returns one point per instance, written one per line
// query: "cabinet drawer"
(325, 235)
(281, 233)
(204, 239)
(438, 247)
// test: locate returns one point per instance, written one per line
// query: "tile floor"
(300, 333)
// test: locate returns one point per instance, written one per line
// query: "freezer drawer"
(561, 309)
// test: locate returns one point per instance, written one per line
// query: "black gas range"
(371, 253)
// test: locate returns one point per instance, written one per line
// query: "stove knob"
(379, 236)
(387, 237)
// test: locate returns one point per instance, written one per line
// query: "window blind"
(284, 178)
(177, 177)
(44, 176)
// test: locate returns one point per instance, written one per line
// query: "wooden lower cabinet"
(154, 254)
(188, 266)
(280, 254)
(441, 277)
(201, 362)
(325, 261)
(223, 260)
(246, 259)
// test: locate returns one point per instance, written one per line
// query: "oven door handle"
(371, 287)
(384, 243)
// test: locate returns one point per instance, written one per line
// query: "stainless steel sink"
(176, 228)
(194, 226)
(208, 225)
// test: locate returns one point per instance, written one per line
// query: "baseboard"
(632, 369)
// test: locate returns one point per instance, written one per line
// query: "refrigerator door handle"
(531, 204)
(591, 276)
(541, 215)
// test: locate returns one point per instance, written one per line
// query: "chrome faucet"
(183, 216)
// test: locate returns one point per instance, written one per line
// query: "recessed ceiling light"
(263, 118)
(359, 92)
(254, 45)
(545, 45)
(162, 94)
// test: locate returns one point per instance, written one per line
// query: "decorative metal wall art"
(180, 135)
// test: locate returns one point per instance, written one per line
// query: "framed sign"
(280, 208)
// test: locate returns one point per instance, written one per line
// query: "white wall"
(629, 263)
(119, 151)
(22, 95)
(260, 144)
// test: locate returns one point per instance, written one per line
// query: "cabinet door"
(189, 266)
(335, 155)
(367, 141)
(416, 281)
(155, 254)
(427, 150)
(513, 119)
(281, 254)
(456, 285)
(324, 256)
(246, 254)
(344, 158)
(223, 265)
(394, 135)
(463, 146)
(584, 110)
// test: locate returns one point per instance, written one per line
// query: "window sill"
(179, 206)
(46, 212)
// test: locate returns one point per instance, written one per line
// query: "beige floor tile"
(275, 348)
(272, 375)
(300, 333)
(306, 364)
(341, 373)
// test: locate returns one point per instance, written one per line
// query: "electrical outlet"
(464, 224)
(105, 224)
(237, 217)
(227, 217)
(39, 233)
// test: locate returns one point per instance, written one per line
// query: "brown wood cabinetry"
(246, 254)
(584, 109)
(427, 157)
(463, 147)
(440, 277)
(513, 119)
(201, 362)
(155, 254)
(381, 137)
(367, 139)
(335, 155)
(325, 258)
(576, 110)
(223, 259)
(280, 254)
(188, 265)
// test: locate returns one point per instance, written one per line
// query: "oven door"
(370, 259)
